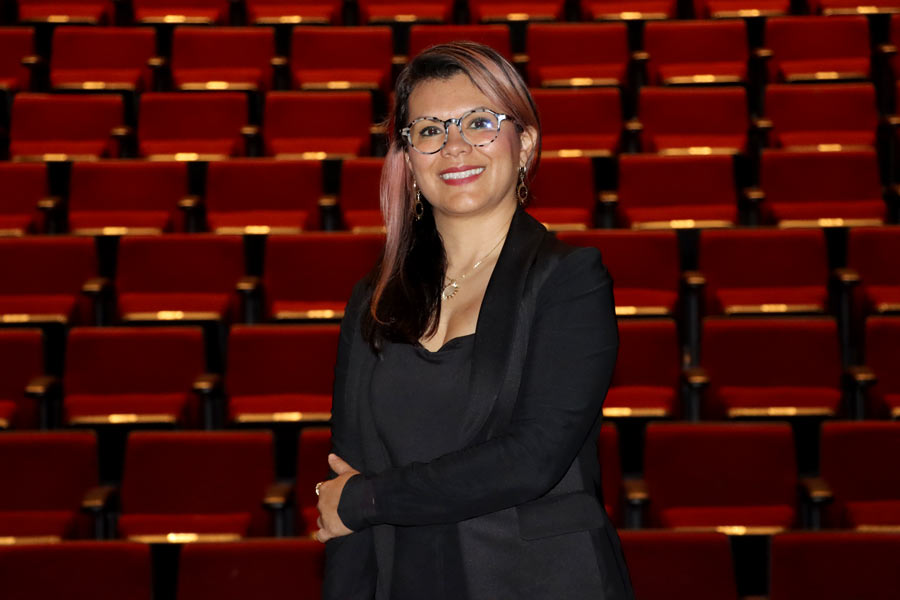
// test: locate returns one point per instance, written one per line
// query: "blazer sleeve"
(350, 568)
(569, 364)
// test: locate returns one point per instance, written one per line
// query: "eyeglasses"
(478, 127)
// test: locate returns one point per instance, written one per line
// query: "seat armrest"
(101, 292)
(162, 77)
(208, 387)
(38, 72)
(279, 501)
(749, 202)
(251, 291)
(281, 73)
(329, 213)
(632, 135)
(53, 209)
(193, 213)
(607, 207)
(886, 49)
(125, 138)
(695, 380)
(692, 284)
(101, 502)
(207, 383)
(636, 498)
(857, 381)
(762, 53)
(252, 140)
(762, 123)
(845, 276)
(693, 279)
(814, 494)
(46, 390)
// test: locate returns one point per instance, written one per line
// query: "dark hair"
(405, 303)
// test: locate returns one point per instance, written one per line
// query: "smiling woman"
(472, 368)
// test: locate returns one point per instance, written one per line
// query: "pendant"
(453, 287)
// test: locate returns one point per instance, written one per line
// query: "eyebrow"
(460, 114)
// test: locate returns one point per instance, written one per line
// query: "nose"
(455, 143)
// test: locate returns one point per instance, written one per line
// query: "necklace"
(451, 288)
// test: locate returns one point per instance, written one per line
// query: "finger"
(338, 464)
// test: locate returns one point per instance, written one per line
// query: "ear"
(527, 142)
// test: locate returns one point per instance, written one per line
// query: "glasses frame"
(406, 131)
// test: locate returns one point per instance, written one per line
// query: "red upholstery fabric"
(127, 193)
(15, 44)
(281, 368)
(610, 471)
(598, 127)
(76, 571)
(858, 461)
(882, 340)
(801, 47)
(814, 114)
(312, 467)
(714, 474)
(205, 11)
(834, 565)
(203, 123)
(495, 36)
(360, 55)
(77, 11)
(380, 11)
(763, 266)
(605, 10)
(360, 180)
(239, 55)
(810, 185)
(563, 51)
(133, 370)
(7, 414)
(731, 8)
(206, 479)
(688, 117)
(22, 186)
(269, 11)
(685, 48)
(251, 569)
(113, 55)
(661, 188)
(643, 342)
(187, 272)
(644, 264)
(827, 7)
(64, 124)
(283, 193)
(871, 252)
(497, 10)
(330, 122)
(21, 360)
(757, 362)
(45, 476)
(562, 192)
(675, 565)
(45, 275)
(317, 270)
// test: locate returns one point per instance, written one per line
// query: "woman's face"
(490, 172)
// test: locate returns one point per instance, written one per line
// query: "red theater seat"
(822, 116)
(312, 467)
(596, 131)
(815, 188)
(882, 341)
(835, 565)
(644, 265)
(179, 277)
(668, 565)
(400, 11)
(610, 471)
(360, 180)
(872, 252)
(251, 569)
(676, 191)
(628, 10)
(21, 362)
(495, 36)
(562, 194)
(311, 276)
(64, 126)
(858, 462)
(202, 483)
(287, 12)
(342, 58)
(577, 55)
(636, 389)
(715, 475)
(45, 478)
(222, 58)
(16, 43)
(102, 58)
(810, 49)
(854, 7)
(43, 277)
(195, 12)
(696, 52)
(260, 195)
(492, 11)
(133, 375)
(281, 373)
(772, 366)
(317, 124)
(125, 197)
(76, 571)
(66, 11)
(691, 121)
(22, 186)
(730, 9)
(764, 271)
(192, 126)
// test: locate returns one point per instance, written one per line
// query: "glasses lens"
(427, 135)
(480, 128)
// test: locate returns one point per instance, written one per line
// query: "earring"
(419, 207)
(522, 187)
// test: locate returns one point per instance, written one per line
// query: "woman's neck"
(468, 239)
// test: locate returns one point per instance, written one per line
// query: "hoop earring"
(522, 188)
(419, 208)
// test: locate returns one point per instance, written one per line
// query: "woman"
(472, 367)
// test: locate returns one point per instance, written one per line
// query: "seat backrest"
(858, 460)
(15, 44)
(38, 117)
(675, 42)
(820, 176)
(360, 181)
(317, 114)
(254, 184)
(814, 107)
(80, 47)
(882, 341)
(873, 252)
(21, 360)
(566, 182)
(222, 47)
(644, 342)
(495, 36)
(655, 180)
(174, 115)
(127, 185)
(567, 44)
(580, 112)
(713, 110)
(22, 185)
(803, 38)
(46, 265)
(369, 47)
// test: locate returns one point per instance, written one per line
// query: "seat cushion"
(882, 512)
(7, 414)
(697, 212)
(878, 295)
(101, 148)
(143, 524)
(613, 71)
(61, 523)
(594, 10)
(63, 306)
(362, 218)
(81, 12)
(792, 296)
(589, 141)
(729, 142)
(153, 219)
(130, 77)
(216, 304)
(780, 396)
(348, 146)
(626, 296)
(256, 12)
(272, 218)
(302, 306)
(378, 78)
(548, 10)
(255, 77)
(178, 406)
(275, 403)
(788, 139)
(642, 397)
(733, 69)
(852, 209)
(715, 516)
(563, 216)
(858, 67)
(218, 147)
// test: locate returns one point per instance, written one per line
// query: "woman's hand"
(330, 524)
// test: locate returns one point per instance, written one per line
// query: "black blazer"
(519, 507)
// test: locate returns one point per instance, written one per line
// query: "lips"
(460, 175)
